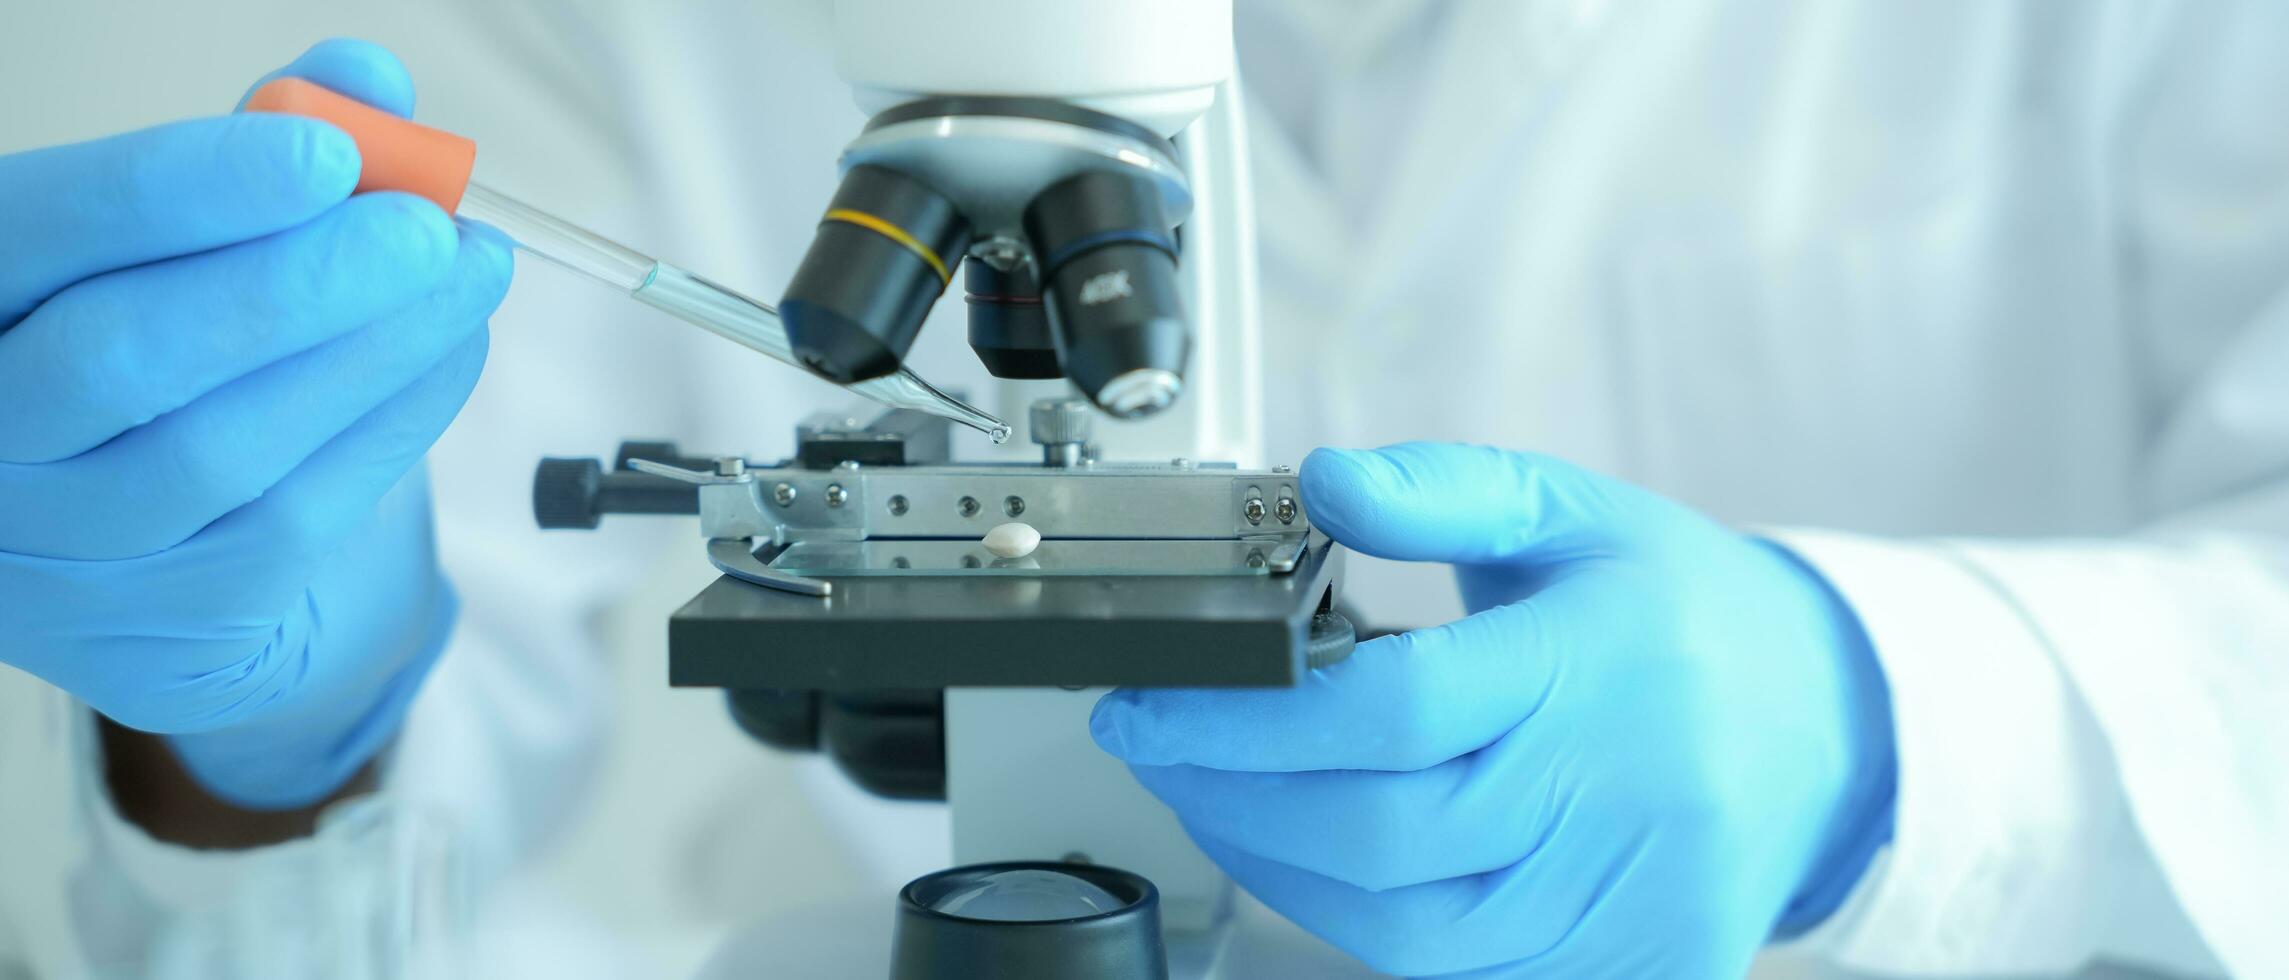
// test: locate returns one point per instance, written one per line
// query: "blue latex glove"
(1652, 745)
(218, 375)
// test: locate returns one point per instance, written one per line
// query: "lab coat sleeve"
(2089, 738)
(493, 752)
(490, 754)
(2093, 734)
(34, 819)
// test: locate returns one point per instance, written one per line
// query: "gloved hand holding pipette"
(404, 156)
(225, 346)
(219, 372)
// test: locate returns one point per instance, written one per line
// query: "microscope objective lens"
(755, 325)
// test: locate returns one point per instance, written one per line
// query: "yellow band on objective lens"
(894, 233)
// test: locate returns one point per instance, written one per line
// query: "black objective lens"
(1009, 328)
(1108, 259)
(882, 256)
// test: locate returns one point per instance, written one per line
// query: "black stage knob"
(564, 493)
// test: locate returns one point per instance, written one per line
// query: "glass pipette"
(398, 154)
(720, 311)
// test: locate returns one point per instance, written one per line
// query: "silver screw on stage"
(1061, 427)
(783, 495)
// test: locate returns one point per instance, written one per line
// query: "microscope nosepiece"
(1109, 282)
(883, 254)
(1009, 328)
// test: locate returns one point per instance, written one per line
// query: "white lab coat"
(1981, 306)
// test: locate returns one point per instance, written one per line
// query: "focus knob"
(1056, 421)
(565, 493)
(1061, 427)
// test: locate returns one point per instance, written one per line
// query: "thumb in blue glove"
(1654, 744)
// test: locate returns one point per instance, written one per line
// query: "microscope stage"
(1000, 630)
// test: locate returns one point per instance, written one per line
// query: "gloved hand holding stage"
(1654, 742)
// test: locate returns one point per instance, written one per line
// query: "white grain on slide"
(1013, 540)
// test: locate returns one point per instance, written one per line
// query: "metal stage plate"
(1001, 630)
(1095, 559)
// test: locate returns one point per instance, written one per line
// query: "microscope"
(1080, 166)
